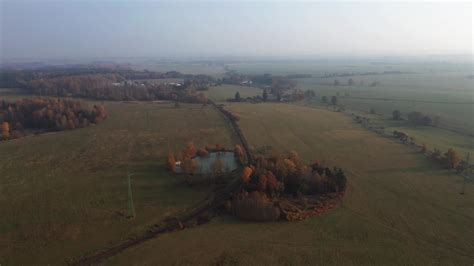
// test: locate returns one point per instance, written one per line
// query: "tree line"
(104, 87)
(449, 159)
(45, 114)
(116, 85)
(12, 77)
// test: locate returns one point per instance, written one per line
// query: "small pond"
(205, 163)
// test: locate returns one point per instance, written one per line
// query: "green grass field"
(64, 194)
(428, 81)
(399, 209)
(225, 92)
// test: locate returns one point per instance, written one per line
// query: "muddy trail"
(199, 214)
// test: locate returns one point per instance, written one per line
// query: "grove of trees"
(45, 114)
(396, 115)
(279, 173)
(419, 118)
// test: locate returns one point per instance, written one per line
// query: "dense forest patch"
(39, 114)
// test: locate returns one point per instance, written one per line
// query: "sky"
(102, 29)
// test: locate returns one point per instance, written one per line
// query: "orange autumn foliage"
(272, 182)
(189, 166)
(262, 183)
(239, 153)
(5, 130)
(171, 162)
(246, 173)
(190, 151)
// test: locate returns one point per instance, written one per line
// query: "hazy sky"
(78, 29)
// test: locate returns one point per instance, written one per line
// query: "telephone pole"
(147, 118)
(467, 172)
(131, 207)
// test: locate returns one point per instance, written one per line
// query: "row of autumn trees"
(449, 159)
(45, 114)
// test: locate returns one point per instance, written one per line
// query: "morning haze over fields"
(236, 133)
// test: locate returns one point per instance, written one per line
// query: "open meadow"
(64, 194)
(399, 208)
(224, 92)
